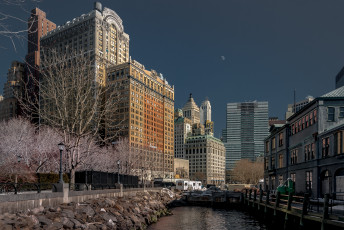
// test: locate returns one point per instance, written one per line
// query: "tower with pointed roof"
(191, 110)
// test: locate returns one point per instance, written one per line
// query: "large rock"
(43, 220)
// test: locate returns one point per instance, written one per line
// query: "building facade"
(191, 111)
(182, 128)
(246, 129)
(145, 116)
(99, 33)
(181, 168)
(313, 151)
(206, 155)
(12, 89)
(205, 111)
(293, 108)
(38, 26)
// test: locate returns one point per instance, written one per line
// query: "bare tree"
(248, 172)
(74, 100)
(25, 150)
(14, 27)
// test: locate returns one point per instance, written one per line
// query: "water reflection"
(201, 218)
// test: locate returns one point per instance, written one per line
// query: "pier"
(295, 210)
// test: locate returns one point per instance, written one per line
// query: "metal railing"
(15, 188)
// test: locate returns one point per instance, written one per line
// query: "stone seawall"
(128, 212)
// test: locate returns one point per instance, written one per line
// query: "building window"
(293, 129)
(338, 142)
(293, 176)
(266, 164)
(280, 179)
(272, 162)
(307, 121)
(315, 116)
(330, 113)
(273, 143)
(280, 160)
(280, 140)
(311, 118)
(341, 112)
(309, 176)
(303, 123)
(267, 146)
(313, 150)
(325, 146)
(293, 157)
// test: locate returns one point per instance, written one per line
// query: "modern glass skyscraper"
(246, 127)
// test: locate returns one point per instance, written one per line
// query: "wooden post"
(325, 211)
(304, 208)
(260, 198)
(249, 197)
(290, 200)
(267, 201)
(254, 197)
(277, 202)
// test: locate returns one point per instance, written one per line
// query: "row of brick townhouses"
(309, 148)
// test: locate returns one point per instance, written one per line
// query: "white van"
(182, 185)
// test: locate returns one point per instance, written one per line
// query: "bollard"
(254, 197)
(260, 198)
(290, 200)
(267, 201)
(249, 197)
(325, 211)
(277, 202)
(304, 208)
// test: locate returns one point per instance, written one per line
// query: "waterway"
(203, 218)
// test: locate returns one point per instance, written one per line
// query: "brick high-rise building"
(38, 26)
(145, 116)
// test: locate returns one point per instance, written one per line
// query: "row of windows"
(304, 122)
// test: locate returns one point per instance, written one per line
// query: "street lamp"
(61, 148)
(142, 175)
(118, 162)
(16, 176)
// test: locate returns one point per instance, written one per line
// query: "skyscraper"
(99, 33)
(182, 127)
(9, 106)
(191, 110)
(38, 26)
(205, 111)
(145, 115)
(246, 128)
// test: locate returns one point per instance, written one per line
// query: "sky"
(226, 50)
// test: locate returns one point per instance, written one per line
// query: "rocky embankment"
(131, 212)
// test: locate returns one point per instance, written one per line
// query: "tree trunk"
(72, 178)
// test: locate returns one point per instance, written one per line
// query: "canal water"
(203, 218)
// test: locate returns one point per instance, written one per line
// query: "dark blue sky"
(270, 47)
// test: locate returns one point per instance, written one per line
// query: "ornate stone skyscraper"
(191, 111)
(205, 111)
(99, 33)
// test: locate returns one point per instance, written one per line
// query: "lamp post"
(142, 175)
(61, 148)
(16, 176)
(118, 162)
